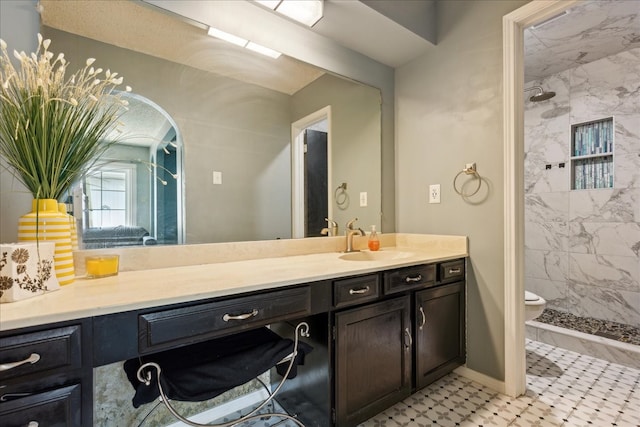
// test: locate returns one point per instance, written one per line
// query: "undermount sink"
(375, 256)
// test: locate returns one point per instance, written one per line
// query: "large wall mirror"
(237, 130)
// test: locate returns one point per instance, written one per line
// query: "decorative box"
(26, 270)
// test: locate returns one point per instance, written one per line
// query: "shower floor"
(612, 330)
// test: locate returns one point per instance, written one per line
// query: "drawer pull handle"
(424, 318)
(454, 270)
(359, 291)
(245, 316)
(10, 396)
(407, 333)
(31, 359)
(413, 279)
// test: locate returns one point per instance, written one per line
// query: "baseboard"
(480, 378)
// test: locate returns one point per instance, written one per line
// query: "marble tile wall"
(582, 247)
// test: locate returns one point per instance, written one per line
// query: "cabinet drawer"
(356, 290)
(403, 279)
(452, 271)
(40, 352)
(186, 325)
(56, 408)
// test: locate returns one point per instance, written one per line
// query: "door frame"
(513, 25)
(297, 168)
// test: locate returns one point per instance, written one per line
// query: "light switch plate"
(363, 199)
(434, 193)
(217, 178)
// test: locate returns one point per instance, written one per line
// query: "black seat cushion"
(205, 370)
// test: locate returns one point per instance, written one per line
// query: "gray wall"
(448, 113)
(19, 26)
(355, 151)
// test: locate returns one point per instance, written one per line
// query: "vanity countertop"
(131, 290)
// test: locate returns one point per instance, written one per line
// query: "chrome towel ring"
(469, 169)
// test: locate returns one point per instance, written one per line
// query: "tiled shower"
(582, 247)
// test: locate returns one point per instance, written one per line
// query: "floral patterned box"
(26, 270)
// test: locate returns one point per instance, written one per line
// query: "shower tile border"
(592, 345)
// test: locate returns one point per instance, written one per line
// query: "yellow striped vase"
(47, 223)
(62, 207)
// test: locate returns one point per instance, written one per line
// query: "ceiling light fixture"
(307, 12)
(239, 41)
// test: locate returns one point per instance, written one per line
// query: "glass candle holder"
(102, 266)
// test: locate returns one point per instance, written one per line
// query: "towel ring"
(470, 170)
(341, 190)
(302, 329)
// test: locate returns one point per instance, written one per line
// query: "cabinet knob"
(33, 424)
(31, 359)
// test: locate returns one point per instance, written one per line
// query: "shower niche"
(592, 154)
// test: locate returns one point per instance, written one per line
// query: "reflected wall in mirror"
(234, 111)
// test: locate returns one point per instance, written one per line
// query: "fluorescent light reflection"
(239, 41)
(214, 32)
(263, 50)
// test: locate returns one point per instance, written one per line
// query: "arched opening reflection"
(133, 195)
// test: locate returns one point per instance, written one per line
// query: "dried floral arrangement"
(52, 127)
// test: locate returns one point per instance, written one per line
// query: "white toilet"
(533, 305)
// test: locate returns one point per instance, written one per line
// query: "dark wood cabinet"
(377, 338)
(46, 376)
(373, 347)
(440, 332)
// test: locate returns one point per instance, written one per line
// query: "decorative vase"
(46, 223)
(26, 270)
(62, 207)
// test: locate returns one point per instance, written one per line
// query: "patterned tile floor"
(564, 388)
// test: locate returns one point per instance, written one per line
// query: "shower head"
(540, 94)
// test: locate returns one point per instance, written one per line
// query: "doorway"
(311, 173)
(513, 118)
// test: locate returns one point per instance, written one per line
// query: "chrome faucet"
(350, 232)
(331, 230)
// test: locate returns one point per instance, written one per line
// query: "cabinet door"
(372, 358)
(440, 337)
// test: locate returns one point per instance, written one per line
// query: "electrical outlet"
(363, 199)
(217, 178)
(434, 193)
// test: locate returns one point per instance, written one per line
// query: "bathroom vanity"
(382, 326)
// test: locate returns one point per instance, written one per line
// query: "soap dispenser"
(374, 243)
